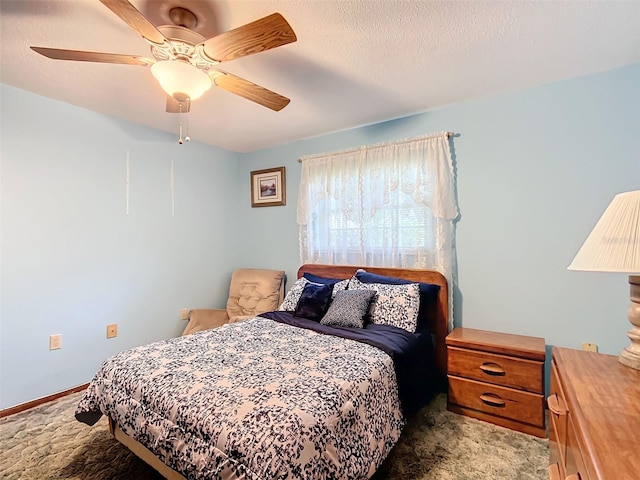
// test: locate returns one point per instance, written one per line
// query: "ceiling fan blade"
(132, 17)
(83, 56)
(263, 34)
(249, 90)
(173, 105)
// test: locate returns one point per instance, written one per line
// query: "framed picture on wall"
(268, 187)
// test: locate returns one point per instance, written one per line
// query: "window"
(385, 205)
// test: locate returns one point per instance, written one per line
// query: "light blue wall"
(73, 262)
(535, 170)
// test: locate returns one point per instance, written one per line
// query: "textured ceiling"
(356, 62)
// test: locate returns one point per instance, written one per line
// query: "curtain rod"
(379, 145)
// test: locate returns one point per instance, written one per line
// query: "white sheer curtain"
(390, 205)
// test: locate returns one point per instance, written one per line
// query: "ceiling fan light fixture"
(176, 77)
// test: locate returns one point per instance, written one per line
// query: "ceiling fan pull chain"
(180, 122)
(187, 138)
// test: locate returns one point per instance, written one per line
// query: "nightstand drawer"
(497, 369)
(495, 400)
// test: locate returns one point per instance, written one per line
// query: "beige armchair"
(252, 291)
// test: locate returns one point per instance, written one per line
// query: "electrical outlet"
(184, 314)
(55, 341)
(590, 347)
(112, 330)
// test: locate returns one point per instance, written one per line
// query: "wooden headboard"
(439, 323)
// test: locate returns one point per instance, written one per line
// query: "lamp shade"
(181, 78)
(614, 243)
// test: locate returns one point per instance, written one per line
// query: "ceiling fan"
(184, 62)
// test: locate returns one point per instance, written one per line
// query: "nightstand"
(498, 378)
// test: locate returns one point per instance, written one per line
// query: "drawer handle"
(554, 472)
(491, 368)
(492, 399)
(555, 405)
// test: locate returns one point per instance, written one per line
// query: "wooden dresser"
(497, 377)
(594, 417)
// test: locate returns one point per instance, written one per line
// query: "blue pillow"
(337, 283)
(323, 280)
(314, 301)
(428, 292)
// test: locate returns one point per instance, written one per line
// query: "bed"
(282, 395)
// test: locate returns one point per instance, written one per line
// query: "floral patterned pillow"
(348, 308)
(341, 285)
(292, 297)
(395, 305)
(290, 301)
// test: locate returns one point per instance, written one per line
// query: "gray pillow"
(348, 308)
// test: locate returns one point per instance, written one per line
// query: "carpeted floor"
(47, 443)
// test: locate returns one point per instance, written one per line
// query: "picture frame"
(268, 187)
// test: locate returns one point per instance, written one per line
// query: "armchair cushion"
(240, 318)
(252, 291)
(204, 319)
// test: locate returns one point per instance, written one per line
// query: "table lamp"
(614, 246)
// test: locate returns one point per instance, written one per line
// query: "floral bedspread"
(255, 400)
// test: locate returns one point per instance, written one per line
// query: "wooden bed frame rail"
(143, 453)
